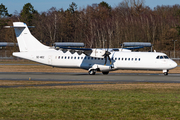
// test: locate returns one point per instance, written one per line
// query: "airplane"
(91, 59)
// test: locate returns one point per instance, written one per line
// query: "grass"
(119, 101)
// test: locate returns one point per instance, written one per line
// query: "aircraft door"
(50, 59)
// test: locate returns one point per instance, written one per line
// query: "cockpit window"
(162, 57)
(157, 57)
(166, 57)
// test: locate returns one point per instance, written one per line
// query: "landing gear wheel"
(105, 73)
(165, 73)
(92, 72)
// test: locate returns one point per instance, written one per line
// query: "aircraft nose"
(173, 64)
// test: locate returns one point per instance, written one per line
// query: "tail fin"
(26, 41)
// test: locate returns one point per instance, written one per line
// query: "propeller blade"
(109, 59)
(107, 55)
(105, 60)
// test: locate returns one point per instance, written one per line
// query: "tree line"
(99, 25)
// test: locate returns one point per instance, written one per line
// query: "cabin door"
(50, 59)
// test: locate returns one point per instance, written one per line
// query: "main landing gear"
(165, 72)
(93, 72)
(105, 73)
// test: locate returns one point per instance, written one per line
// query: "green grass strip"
(87, 103)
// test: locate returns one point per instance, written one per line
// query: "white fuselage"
(91, 59)
(120, 60)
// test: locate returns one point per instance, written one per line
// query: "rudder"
(26, 41)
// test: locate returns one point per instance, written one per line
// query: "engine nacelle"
(96, 53)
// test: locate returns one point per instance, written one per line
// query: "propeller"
(106, 55)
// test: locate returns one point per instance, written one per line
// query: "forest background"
(98, 25)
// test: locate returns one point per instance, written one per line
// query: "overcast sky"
(44, 5)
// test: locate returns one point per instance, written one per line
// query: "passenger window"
(74, 57)
(88, 58)
(98, 58)
(84, 57)
(132, 59)
(125, 58)
(122, 58)
(68, 57)
(78, 57)
(62, 57)
(139, 59)
(92, 58)
(118, 58)
(81, 57)
(135, 59)
(59, 57)
(115, 58)
(129, 59)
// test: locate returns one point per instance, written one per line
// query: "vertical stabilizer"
(26, 41)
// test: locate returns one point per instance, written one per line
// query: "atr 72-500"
(90, 59)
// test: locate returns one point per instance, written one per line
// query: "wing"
(87, 51)
(133, 48)
(97, 53)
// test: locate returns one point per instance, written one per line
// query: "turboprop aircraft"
(92, 60)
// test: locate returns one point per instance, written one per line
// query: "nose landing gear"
(165, 72)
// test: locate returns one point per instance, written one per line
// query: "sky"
(45, 5)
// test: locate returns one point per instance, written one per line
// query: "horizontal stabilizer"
(18, 26)
(68, 44)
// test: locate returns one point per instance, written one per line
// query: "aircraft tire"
(92, 72)
(105, 73)
(165, 73)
